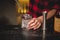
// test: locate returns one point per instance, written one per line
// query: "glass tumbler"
(25, 19)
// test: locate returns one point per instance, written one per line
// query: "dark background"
(8, 12)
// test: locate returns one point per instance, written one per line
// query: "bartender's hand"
(35, 23)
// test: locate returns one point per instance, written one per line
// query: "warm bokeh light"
(22, 8)
(24, 2)
(25, 11)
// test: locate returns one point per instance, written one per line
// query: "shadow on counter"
(5, 24)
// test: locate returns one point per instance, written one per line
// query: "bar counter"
(16, 33)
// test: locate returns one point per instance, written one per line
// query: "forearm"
(49, 15)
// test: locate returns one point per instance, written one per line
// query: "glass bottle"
(57, 22)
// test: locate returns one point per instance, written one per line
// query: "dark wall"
(8, 12)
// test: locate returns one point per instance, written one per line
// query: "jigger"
(44, 24)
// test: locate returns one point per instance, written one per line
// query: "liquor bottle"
(57, 22)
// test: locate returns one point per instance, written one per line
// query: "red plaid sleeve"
(36, 7)
(56, 6)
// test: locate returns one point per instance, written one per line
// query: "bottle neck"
(58, 14)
